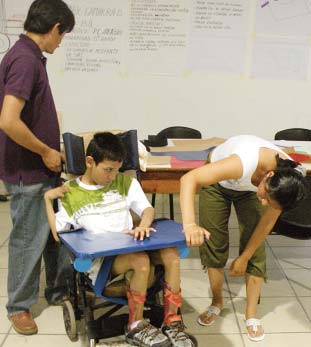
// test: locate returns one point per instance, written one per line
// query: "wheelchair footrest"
(103, 328)
(155, 314)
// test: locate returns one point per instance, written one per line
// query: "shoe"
(146, 335)
(23, 323)
(208, 314)
(254, 323)
(178, 338)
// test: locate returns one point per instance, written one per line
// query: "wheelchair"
(82, 306)
(95, 309)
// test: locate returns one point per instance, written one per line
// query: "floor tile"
(5, 324)
(2, 338)
(191, 264)
(281, 340)
(283, 241)
(4, 256)
(306, 304)
(277, 285)
(227, 340)
(293, 257)
(300, 280)
(3, 282)
(278, 315)
(195, 284)
(14, 340)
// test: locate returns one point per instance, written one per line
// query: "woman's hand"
(238, 267)
(140, 232)
(195, 235)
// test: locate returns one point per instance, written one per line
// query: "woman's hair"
(44, 14)
(287, 186)
(106, 146)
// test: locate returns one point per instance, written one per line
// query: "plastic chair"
(296, 223)
(293, 134)
(180, 132)
(176, 132)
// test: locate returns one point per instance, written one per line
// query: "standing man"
(30, 158)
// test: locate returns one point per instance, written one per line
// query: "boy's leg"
(172, 326)
(138, 331)
(140, 264)
(169, 258)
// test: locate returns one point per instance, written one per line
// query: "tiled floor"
(285, 307)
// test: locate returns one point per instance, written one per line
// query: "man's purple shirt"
(23, 74)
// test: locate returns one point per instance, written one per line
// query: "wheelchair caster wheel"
(70, 321)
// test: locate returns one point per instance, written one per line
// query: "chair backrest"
(75, 152)
(294, 134)
(180, 132)
(296, 223)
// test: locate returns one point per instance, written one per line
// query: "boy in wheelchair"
(100, 201)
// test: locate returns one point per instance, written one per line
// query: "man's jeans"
(27, 242)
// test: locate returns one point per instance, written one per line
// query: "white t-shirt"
(247, 148)
(101, 210)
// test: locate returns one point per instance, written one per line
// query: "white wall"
(218, 104)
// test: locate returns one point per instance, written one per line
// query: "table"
(162, 180)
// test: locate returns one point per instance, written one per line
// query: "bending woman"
(261, 181)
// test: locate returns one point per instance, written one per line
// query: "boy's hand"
(140, 232)
(56, 193)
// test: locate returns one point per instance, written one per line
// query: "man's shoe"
(23, 323)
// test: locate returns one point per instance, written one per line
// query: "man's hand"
(56, 193)
(52, 160)
(195, 235)
(238, 267)
(140, 232)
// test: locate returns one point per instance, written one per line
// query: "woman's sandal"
(208, 314)
(254, 323)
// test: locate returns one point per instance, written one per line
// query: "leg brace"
(134, 298)
(174, 299)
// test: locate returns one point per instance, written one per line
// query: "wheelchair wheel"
(70, 321)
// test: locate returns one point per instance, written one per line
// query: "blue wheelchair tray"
(86, 245)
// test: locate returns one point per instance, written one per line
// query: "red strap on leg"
(174, 299)
(133, 299)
